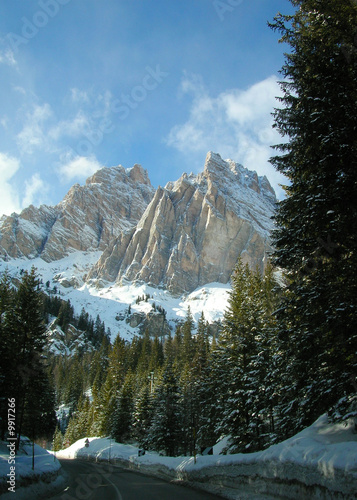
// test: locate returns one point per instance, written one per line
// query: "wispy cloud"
(7, 57)
(35, 190)
(9, 198)
(80, 96)
(32, 135)
(75, 127)
(78, 167)
(236, 123)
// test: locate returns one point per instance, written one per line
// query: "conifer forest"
(286, 351)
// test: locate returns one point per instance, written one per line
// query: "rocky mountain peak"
(87, 219)
(114, 175)
(225, 171)
(194, 230)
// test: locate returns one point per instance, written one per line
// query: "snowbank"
(319, 462)
(16, 471)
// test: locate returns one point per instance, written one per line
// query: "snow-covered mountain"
(117, 238)
(194, 230)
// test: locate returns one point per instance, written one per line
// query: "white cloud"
(9, 198)
(7, 57)
(4, 122)
(76, 127)
(78, 167)
(237, 124)
(33, 135)
(81, 96)
(35, 189)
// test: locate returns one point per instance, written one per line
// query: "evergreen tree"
(243, 360)
(263, 383)
(165, 431)
(142, 416)
(83, 320)
(65, 315)
(122, 418)
(190, 409)
(145, 352)
(117, 369)
(29, 330)
(79, 425)
(202, 347)
(99, 331)
(74, 382)
(99, 364)
(187, 340)
(236, 348)
(57, 440)
(316, 232)
(211, 400)
(8, 349)
(156, 355)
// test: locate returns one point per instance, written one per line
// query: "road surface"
(90, 481)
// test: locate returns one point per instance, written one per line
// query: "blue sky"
(92, 83)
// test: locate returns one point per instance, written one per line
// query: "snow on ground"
(112, 301)
(45, 465)
(324, 447)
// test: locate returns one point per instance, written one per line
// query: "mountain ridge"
(194, 230)
(179, 237)
(86, 219)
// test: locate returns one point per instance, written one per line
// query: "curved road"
(90, 481)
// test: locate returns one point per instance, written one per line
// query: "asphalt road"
(90, 481)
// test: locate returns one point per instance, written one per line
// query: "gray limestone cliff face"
(194, 230)
(88, 218)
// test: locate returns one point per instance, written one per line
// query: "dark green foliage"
(8, 349)
(244, 361)
(179, 395)
(142, 416)
(316, 236)
(165, 430)
(23, 374)
(122, 417)
(65, 317)
(58, 440)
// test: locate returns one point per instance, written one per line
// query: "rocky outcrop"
(153, 322)
(194, 230)
(25, 235)
(88, 218)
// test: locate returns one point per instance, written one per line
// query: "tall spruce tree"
(122, 417)
(243, 361)
(23, 331)
(8, 349)
(316, 236)
(165, 430)
(29, 330)
(142, 415)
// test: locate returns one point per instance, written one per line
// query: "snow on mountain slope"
(116, 238)
(112, 301)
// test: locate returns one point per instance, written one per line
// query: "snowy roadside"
(17, 476)
(319, 462)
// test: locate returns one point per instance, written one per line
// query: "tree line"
(179, 394)
(28, 370)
